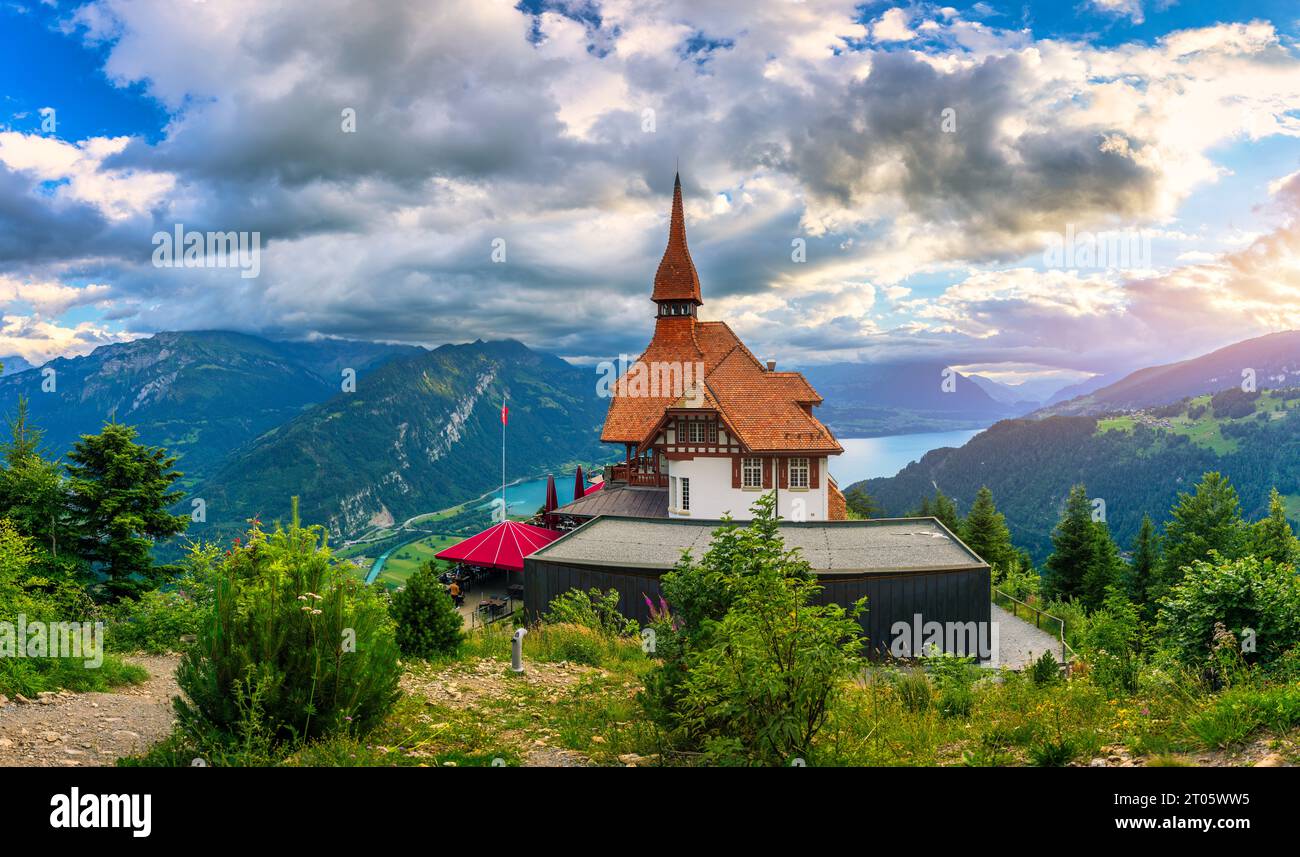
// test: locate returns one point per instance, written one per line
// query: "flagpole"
(505, 510)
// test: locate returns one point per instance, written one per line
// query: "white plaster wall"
(712, 495)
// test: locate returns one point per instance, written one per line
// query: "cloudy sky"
(864, 181)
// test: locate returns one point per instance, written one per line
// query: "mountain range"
(422, 432)
(369, 434)
(13, 363)
(875, 399)
(255, 421)
(1270, 361)
(1135, 442)
(201, 394)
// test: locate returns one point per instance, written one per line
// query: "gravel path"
(88, 729)
(1019, 642)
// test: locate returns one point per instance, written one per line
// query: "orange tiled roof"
(837, 508)
(769, 411)
(765, 408)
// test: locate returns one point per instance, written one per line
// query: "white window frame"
(684, 494)
(745, 470)
(803, 468)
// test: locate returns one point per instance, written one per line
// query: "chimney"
(771, 365)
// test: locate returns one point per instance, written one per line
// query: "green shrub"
(308, 640)
(1045, 670)
(914, 690)
(577, 644)
(162, 620)
(1246, 594)
(1074, 617)
(33, 589)
(428, 624)
(1111, 641)
(592, 609)
(1052, 753)
(156, 623)
(955, 677)
(750, 664)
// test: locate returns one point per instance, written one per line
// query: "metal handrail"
(1067, 653)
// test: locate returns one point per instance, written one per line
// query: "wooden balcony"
(635, 475)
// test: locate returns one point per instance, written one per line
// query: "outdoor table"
(491, 605)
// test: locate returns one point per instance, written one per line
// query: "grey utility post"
(517, 651)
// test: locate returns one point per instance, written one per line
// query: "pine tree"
(1208, 520)
(428, 623)
(1072, 548)
(1142, 570)
(941, 507)
(24, 438)
(1272, 537)
(860, 503)
(119, 494)
(32, 491)
(1104, 568)
(985, 532)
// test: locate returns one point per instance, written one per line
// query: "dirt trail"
(87, 729)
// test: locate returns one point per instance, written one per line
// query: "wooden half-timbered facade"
(702, 419)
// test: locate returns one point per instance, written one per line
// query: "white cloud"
(1131, 9)
(37, 341)
(49, 298)
(892, 26)
(80, 174)
(468, 131)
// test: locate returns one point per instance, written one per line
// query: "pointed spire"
(676, 279)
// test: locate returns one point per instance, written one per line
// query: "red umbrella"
(579, 484)
(552, 501)
(502, 545)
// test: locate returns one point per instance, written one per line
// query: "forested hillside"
(198, 393)
(419, 434)
(1137, 463)
(1265, 361)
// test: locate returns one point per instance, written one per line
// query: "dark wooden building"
(913, 572)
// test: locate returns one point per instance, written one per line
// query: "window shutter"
(812, 472)
(782, 472)
(767, 472)
(735, 471)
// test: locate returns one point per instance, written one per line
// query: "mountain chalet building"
(706, 429)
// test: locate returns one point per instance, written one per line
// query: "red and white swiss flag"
(505, 412)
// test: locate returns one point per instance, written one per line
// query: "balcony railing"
(635, 475)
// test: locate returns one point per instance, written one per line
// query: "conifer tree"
(119, 494)
(1084, 561)
(1204, 521)
(985, 532)
(1272, 537)
(24, 438)
(33, 494)
(1072, 546)
(1141, 573)
(941, 507)
(428, 623)
(1104, 568)
(860, 503)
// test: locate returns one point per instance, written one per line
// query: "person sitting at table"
(454, 591)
